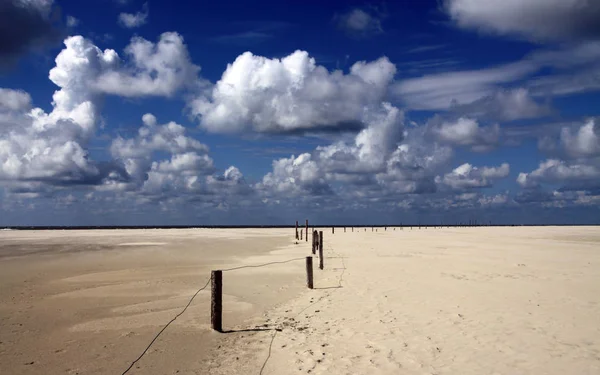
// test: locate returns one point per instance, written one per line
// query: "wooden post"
(306, 231)
(352, 229)
(321, 249)
(301, 230)
(344, 229)
(315, 242)
(309, 273)
(216, 300)
(332, 230)
(296, 229)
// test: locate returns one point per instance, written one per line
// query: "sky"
(128, 112)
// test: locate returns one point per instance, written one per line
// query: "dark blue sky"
(131, 112)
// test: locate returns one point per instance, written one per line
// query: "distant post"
(309, 272)
(315, 237)
(306, 231)
(216, 300)
(296, 229)
(332, 230)
(321, 249)
(344, 229)
(301, 230)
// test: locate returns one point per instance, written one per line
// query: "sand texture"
(515, 300)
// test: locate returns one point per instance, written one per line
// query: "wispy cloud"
(421, 49)
(440, 90)
(72, 21)
(244, 38)
(252, 32)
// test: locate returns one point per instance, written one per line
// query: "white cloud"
(539, 20)
(136, 154)
(465, 132)
(360, 23)
(293, 176)
(561, 172)
(159, 69)
(52, 147)
(293, 94)
(14, 100)
(371, 146)
(411, 168)
(584, 143)
(467, 176)
(133, 20)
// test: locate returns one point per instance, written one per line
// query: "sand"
(522, 300)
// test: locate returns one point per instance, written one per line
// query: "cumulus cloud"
(184, 172)
(133, 20)
(52, 147)
(561, 172)
(25, 26)
(467, 176)
(383, 161)
(295, 175)
(371, 146)
(412, 167)
(14, 100)
(465, 132)
(155, 69)
(538, 20)
(359, 23)
(292, 94)
(188, 156)
(585, 142)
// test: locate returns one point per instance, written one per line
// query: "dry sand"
(518, 300)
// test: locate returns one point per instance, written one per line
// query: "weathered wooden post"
(309, 272)
(296, 229)
(306, 231)
(301, 230)
(216, 300)
(344, 229)
(321, 249)
(332, 230)
(315, 237)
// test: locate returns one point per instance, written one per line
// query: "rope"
(204, 287)
(165, 327)
(262, 265)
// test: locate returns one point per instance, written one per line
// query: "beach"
(477, 300)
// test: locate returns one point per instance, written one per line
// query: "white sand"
(432, 301)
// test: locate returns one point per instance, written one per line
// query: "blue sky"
(126, 112)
